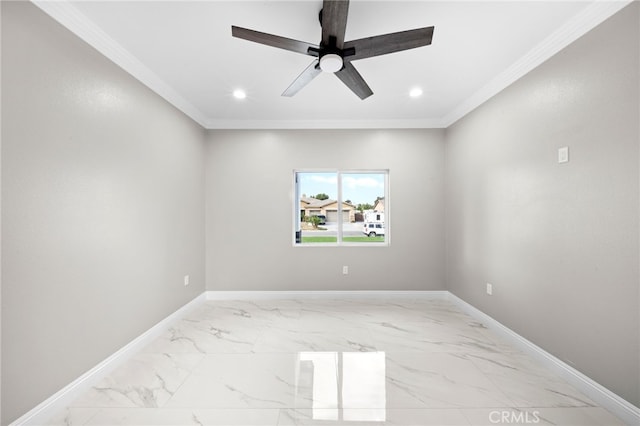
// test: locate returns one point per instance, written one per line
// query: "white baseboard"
(598, 393)
(626, 411)
(61, 399)
(329, 294)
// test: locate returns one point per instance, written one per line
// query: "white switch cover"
(489, 289)
(186, 280)
(563, 154)
(345, 270)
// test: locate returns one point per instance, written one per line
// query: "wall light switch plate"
(563, 154)
(186, 280)
(489, 289)
(345, 270)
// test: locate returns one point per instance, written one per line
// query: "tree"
(321, 196)
(313, 220)
(365, 206)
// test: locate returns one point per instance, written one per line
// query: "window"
(341, 207)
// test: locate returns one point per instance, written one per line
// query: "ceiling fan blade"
(354, 81)
(334, 21)
(275, 41)
(389, 43)
(303, 79)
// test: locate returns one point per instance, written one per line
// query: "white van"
(373, 216)
(373, 229)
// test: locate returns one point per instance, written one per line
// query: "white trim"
(340, 242)
(61, 399)
(329, 294)
(626, 411)
(75, 21)
(70, 17)
(417, 123)
(576, 27)
(603, 396)
(598, 393)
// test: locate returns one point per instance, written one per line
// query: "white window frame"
(340, 243)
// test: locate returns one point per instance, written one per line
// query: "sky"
(359, 188)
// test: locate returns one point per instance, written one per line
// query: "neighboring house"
(379, 205)
(312, 206)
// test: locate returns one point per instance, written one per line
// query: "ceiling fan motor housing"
(334, 54)
(331, 57)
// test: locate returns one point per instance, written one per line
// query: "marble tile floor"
(331, 362)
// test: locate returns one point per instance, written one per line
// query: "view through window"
(341, 207)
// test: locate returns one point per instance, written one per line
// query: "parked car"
(373, 229)
(323, 219)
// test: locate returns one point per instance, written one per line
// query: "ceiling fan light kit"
(331, 62)
(334, 54)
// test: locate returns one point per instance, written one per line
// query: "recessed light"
(239, 94)
(416, 92)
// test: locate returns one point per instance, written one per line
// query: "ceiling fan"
(334, 54)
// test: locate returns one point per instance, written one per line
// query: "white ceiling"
(184, 51)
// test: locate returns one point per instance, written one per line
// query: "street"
(348, 230)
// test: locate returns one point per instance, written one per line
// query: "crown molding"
(576, 27)
(71, 18)
(76, 22)
(324, 124)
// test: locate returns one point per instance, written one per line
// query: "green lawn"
(364, 239)
(328, 239)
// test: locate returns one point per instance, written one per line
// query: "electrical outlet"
(489, 289)
(345, 270)
(563, 154)
(186, 280)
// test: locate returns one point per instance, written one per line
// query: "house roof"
(315, 203)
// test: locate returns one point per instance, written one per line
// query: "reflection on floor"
(331, 362)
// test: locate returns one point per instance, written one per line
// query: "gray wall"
(559, 242)
(103, 208)
(250, 210)
(104, 192)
